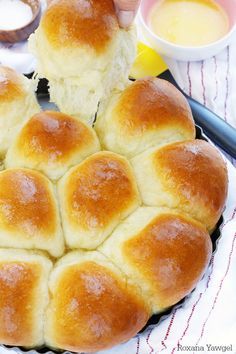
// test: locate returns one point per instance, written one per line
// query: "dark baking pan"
(199, 112)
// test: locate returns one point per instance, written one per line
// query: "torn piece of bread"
(83, 52)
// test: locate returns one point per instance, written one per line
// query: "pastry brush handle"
(220, 132)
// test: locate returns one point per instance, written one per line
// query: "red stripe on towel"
(227, 86)
(138, 345)
(216, 79)
(147, 341)
(203, 83)
(189, 79)
(219, 289)
(188, 322)
(168, 329)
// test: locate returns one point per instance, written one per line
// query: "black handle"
(220, 132)
(214, 127)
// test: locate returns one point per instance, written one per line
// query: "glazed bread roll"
(23, 297)
(17, 104)
(163, 251)
(52, 142)
(83, 53)
(94, 197)
(190, 176)
(149, 112)
(92, 305)
(29, 216)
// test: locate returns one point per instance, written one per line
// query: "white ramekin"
(181, 52)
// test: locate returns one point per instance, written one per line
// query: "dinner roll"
(94, 197)
(190, 176)
(147, 113)
(23, 297)
(17, 104)
(92, 306)
(52, 142)
(29, 216)
(83, 52)
(165, 252)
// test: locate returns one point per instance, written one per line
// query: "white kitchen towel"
(211, 82)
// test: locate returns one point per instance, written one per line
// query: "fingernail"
(125, 18)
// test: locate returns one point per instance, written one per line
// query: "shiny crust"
(108, 178)
(17, 104)
(150, 104)
(150, 112)
(93, 309)
(162, 251)
(16, 329)
(95, 196)
(11, 85)
(52, 142)
(53, 137)
(73, 23)
(171, 254)
(26, 204)
(29, 214)
(195, 173)
(23, 297)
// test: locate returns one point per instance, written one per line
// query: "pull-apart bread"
(83, 52)
(100, 227)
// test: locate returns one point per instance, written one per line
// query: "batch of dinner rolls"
(101, 225)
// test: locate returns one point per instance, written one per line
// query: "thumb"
(126, 11)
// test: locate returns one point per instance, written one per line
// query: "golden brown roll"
(17, 105)
(94, 197)
(190, 176)
(29, 216)
(92, 306)
(52, 142)
(23, 297)
(147, 113)
(83, 53)
(163, 251)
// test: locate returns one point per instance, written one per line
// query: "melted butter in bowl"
(189, 23)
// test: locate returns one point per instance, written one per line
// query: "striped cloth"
(211, 82)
